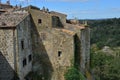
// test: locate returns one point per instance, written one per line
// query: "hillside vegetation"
(105, 49)
(105, 32)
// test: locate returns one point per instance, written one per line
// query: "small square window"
(24, 62)
(30, 57)
(59, 53)
(39, 21)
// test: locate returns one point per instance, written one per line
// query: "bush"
(104, 66)
(73, 74)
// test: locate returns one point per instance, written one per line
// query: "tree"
(104, 66)
(73, 74)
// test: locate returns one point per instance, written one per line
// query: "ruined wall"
(41, 61)
(7, 63)
(85, 49)
(53, 52)
(45, 20)
(53, 49)
(82, 46)
(61, 16)
(56, 22)
(24, 48)
(47, 44)
(41, 19)
(63, 51)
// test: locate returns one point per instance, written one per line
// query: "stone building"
(15, 45)
(56, 43)
(45, 35)
(5, 7)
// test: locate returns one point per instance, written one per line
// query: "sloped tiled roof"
(74, 27)
(7, 5)
(12, 18)
(66, 31)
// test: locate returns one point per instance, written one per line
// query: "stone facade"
(56, 45)
(85, 49)
(5, 7)
(53, 43)
(6, 54)
(24, 45)
(15, 45)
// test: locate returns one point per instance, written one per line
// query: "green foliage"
(104, 66)
(105, 32)
(36, 76)
(73, 74)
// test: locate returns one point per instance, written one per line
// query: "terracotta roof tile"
(73, 27)
(66, 31)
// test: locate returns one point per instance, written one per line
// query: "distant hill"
(105, 32)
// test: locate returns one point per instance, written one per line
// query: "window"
(24, 62)
(56, 22)
(59, 53)
(29, 57)
(39, 21)
(22, 44)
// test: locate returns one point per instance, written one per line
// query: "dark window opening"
(30, 57)
(24, 62)
(39, 21)
(56, 22)
(59, 53)
(22, 44)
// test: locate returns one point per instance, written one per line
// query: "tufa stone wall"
(24, 43)
(6, 54)
(16, 51)
(42, 20)
(54, 46)
(85, 49)
(63, 51)
(62, 17)
(53, 42)
(82, 46)
(53, 53)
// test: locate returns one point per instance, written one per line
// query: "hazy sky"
(81, 9)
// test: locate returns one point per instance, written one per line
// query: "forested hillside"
(105, 32)
(105, 49)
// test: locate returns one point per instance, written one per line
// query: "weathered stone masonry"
(41, 42)
(6, 54)
(15, 45)
(57, 43)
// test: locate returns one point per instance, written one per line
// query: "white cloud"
(68, 0)
(24, 0)
(57, 0)
(115, 9)
(79, 12)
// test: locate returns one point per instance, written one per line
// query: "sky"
(80, 9)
